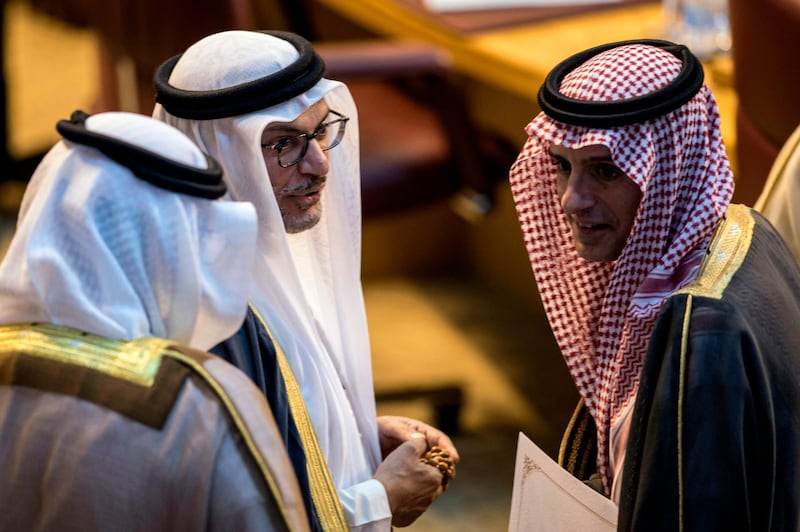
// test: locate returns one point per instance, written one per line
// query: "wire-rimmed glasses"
(292, 149)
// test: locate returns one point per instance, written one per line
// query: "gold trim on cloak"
(323, 490)
(726, 253)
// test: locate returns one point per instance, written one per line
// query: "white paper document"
(546, 498)
(443, 6)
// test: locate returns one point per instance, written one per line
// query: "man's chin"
(302, 222)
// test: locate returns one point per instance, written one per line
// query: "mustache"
(314, 182)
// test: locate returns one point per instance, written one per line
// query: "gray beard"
(298, 224)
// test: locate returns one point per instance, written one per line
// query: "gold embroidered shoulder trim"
(726, 252)
(136, 361)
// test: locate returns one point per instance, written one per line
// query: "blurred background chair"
(419, 144)
(135, 36)
(765, 40)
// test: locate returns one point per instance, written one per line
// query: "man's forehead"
(592, 151)
(313, 116)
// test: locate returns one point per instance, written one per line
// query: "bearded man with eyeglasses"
(287, 139)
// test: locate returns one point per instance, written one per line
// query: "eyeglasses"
(292, 149)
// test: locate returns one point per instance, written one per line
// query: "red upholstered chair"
(418, 143)
(766, 38)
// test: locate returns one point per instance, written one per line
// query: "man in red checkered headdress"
(676, 312)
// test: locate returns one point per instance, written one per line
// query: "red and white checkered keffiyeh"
(602, 313)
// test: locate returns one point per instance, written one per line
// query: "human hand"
(411, 485)
(394, 430)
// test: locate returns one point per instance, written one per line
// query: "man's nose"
(578, 194)
(315, 161)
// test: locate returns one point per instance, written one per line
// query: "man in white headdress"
(675, 311)
(288, 141)
(118, 275)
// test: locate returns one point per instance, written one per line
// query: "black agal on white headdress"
(246, 97)
(145, 164)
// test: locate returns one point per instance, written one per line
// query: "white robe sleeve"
(366, 506)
